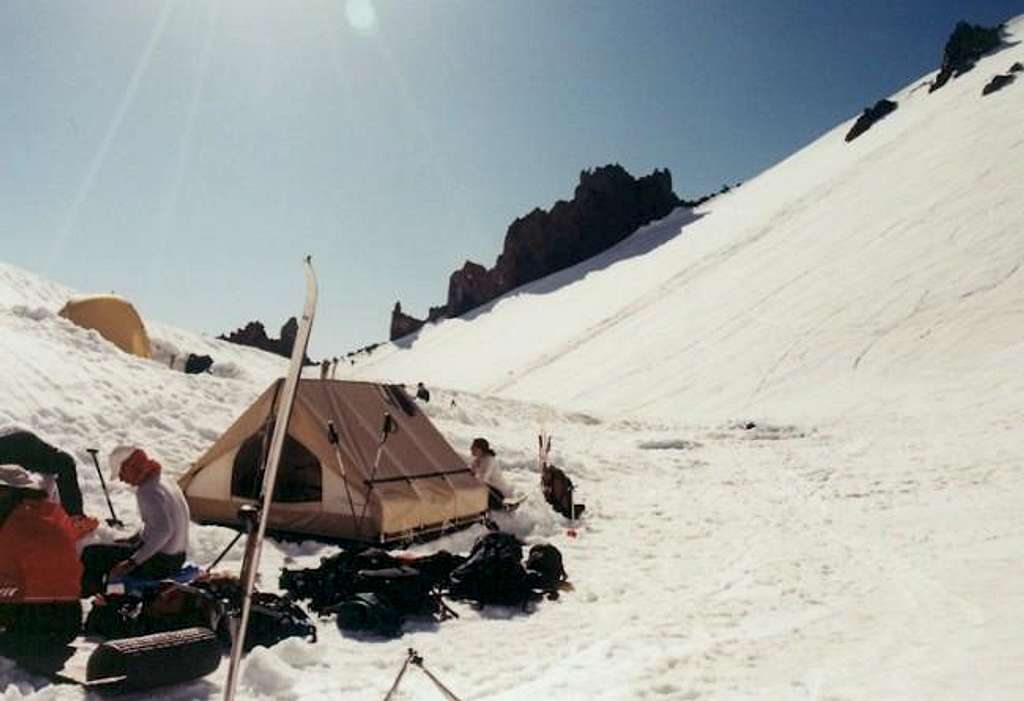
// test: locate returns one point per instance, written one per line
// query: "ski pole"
(387, 428)
(113, 521)
(332, 436)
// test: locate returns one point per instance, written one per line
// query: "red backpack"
(37, 552)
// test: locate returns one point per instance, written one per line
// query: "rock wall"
(255, 335)
(607, 206)
(870, 115)
(965, 46)
(402, 324)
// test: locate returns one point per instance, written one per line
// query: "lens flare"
(361, 15)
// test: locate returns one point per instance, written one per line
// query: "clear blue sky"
(188, 154)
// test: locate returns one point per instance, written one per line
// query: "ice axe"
(113, 521)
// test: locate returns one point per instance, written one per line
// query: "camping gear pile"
(210, 601)
(373, 591)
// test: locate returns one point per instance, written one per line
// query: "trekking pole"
(387, 428)
(332, 436)
(113, 521)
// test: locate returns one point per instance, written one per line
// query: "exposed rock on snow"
(402, 324)
(997, 83)
(255, 335)
(608, 205)
(818, 287)
(870, 116)
(965, 46)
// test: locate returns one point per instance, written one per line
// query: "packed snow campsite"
(792, 413)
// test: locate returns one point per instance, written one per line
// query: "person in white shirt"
(158, 550)
(485, 466)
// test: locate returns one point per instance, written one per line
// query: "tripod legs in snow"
(414, 658)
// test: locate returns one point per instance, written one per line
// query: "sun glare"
(361, 15)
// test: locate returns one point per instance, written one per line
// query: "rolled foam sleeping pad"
(155, 660)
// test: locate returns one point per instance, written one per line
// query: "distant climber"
(422, 393)
(485, 466)
(29, 451)
(334, 368)
(158, 550)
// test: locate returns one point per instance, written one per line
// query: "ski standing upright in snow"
(254, 540)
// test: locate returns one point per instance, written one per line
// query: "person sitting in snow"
(422, 393)
(28, 451)
(158, 550)
(485, 466)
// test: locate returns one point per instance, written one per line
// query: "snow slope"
(846, 278)
(74, 388)
(862, 540)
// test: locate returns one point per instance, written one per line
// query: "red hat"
(133, 465)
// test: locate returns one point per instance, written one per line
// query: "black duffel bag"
(494, 572)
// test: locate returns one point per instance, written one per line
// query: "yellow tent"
(114, 318)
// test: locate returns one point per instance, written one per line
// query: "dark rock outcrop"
(997, 83)
(402, 324)
(254, 335)
(607, 206)
(870, 116)
(1017, 67)
(469, 287)
(965, 46)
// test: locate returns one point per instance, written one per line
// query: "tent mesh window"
(299, 477)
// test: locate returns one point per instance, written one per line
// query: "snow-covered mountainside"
(846, 278)
(794, 418)
(110, 394)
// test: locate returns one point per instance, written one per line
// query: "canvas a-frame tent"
(421, 486)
